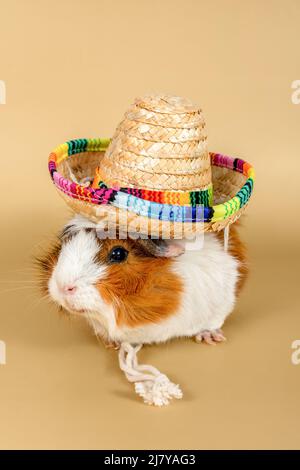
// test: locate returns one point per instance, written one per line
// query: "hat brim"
(75, 162)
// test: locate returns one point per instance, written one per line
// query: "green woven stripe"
(192, 198)
(76, 146)
(244, 195)
(87, 145)
(250, 183)
(210, 196)
(230, 208)
(200, 197)
(96, 145)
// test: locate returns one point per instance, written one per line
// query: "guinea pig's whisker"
(76, 314)
(92, 316)
(37, 303)
(13, 281)
(17, 289)
(30, 271)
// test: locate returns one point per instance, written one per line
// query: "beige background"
(71, 69)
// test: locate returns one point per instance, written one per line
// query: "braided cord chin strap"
(154, 387)
(226, 237)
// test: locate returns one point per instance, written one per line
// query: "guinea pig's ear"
(162, 248)
(67, 232)
(75, 225)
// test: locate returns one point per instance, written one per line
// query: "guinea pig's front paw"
(111, 344)
(211, 337)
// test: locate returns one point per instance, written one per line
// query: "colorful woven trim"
(177, 198)
(135, 202)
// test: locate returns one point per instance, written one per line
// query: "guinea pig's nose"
(69, 289)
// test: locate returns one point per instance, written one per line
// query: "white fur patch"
(77, 266)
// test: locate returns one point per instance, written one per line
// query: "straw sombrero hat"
(155, 174)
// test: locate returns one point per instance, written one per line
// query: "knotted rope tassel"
(154, 387)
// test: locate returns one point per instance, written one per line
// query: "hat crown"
(160, 144)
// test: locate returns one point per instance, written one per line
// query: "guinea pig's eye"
(117, 255)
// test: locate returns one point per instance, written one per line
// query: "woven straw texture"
(160, 144)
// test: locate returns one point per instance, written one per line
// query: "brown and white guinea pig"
(145, 291)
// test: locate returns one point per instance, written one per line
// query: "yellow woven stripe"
(222, 211)
(61, 152)
(251, 173)
(97, 145)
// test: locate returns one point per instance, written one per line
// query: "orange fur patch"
(143, 289)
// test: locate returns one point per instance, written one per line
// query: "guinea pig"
(145, 291)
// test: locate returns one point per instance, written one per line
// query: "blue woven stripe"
(165, 212)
